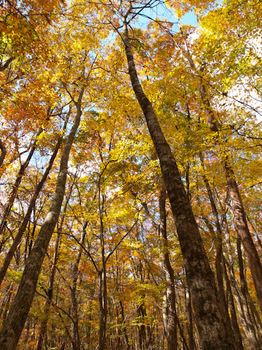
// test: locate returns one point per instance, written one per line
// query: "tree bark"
(241, 302)
(30, 208)
(49, 301)
(19, 310)
(43, 327)
(169, 307)
(3, 152)
(238, 210)
(6, 64)
(241, 225)
(103, 308)
(211, 327)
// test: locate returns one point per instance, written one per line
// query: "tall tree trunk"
(102, 273)
(233, 313)
(199, 275)
(239, 215)
(244, 314)
(73, 290)
(141, 311)
(30, 208)
(124, 328)
(169, 307)
(241, 225)
(241, 302)
(103, 308)
(19, 310)
(170, 318)
(244, 288)
(43, 327)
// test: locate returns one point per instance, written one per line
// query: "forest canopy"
(130, 175)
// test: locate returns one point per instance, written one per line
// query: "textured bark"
(49, 301)
(211, 327)
(238, 210)
(169, 307)
(30, 208)
(19, 310)
(3, 152)
(241, 225)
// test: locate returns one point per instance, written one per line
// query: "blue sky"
(162, 12)
(189, 18)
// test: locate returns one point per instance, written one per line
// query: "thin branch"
(121, 240)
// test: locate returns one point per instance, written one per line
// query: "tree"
(210, 324)
(111, 275)
(19, 311)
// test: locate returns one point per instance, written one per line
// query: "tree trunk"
(169, 307)
(124, 328)
(238, 210)
(241, 302)
(241, 225)
(141, 311)
(43, 327)
(234, 320)
(244, 314)
(73, 290)
(30, 208)
(18, 313)
(210, 324)
(220, 263)
(103, 308)
(6, 300)
(244, 288)
(191, 342)
(3, 152)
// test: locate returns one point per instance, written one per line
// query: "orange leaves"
(113, 167)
